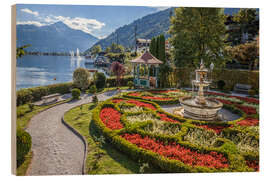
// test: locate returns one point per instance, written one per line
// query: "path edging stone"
(80, 137)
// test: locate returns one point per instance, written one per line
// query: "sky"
(99, 21)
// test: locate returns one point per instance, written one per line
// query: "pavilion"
(145, 70)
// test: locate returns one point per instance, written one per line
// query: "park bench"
(51, 96)
(242, 88)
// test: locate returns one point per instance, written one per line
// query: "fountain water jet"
(199, 107)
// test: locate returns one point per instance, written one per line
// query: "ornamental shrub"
(93, 89)
(113, 82)
(100, 80)
(95, 99)
(24, 142)
(31, 106)
(220, 84)
(81, 78)
(75, 93)
(130, 84)
(34, 94)
(24, 96)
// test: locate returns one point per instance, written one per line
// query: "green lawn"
(102, 157)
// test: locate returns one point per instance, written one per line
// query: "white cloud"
(83, 24)
(36, 23)
(161, 8)
(102, 37)
(26, 10)
(78, 23)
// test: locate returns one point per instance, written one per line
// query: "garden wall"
(230, 77)
(111, 81)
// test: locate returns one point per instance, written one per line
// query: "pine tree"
(198, 33)
(157, 47)
(161, 50)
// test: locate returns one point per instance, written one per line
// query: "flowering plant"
(178, 152)
(111, 118)
(248, 122)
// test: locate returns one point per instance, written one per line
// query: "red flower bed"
(248, 110)
(117, 100)
(163, 91)
(177, 152)
(216, 94)
(224, 101)
(253, 164)
(134, 94)
(164, 117)
(141, 104)
(248, 122)
(248, 100)
(217, 129)
(111, 118)
(156, 98)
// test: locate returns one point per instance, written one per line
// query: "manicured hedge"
(230, 77)
(24, 142)
(34, 94)
(173, 100)
(226, 147)
(111, 81)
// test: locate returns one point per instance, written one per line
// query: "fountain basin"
(207, 111)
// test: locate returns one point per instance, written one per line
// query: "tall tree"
(161, 48)
(246, 18)
(198, 33)
(157, 47)
(118, 69)
(96, 49)
(116, 48)
(247, 53)
(153, 46)
(20, 51)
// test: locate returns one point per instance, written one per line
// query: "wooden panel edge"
(13, 90)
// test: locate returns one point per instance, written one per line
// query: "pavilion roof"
(147, 58)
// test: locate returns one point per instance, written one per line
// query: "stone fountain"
(200, 107)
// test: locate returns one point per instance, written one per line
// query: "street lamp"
(211, 68)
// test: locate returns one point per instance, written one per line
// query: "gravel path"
(56, 149)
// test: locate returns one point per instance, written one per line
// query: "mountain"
(147, 27)
(57, 37)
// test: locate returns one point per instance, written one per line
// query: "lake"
(34, 71)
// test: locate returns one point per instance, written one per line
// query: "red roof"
(147, 58)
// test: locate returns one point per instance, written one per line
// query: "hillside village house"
(143, 44)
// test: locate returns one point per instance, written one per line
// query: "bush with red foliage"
(248, 122)
(134, 94)
(246, 99)
(164, 117)
(141, 104)
(111, 118)
(157, 98)
(163, 91)
(178, 152)
(248, 110)
(224, 101)
(216, 128)
(253, 164)
(117, 100)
